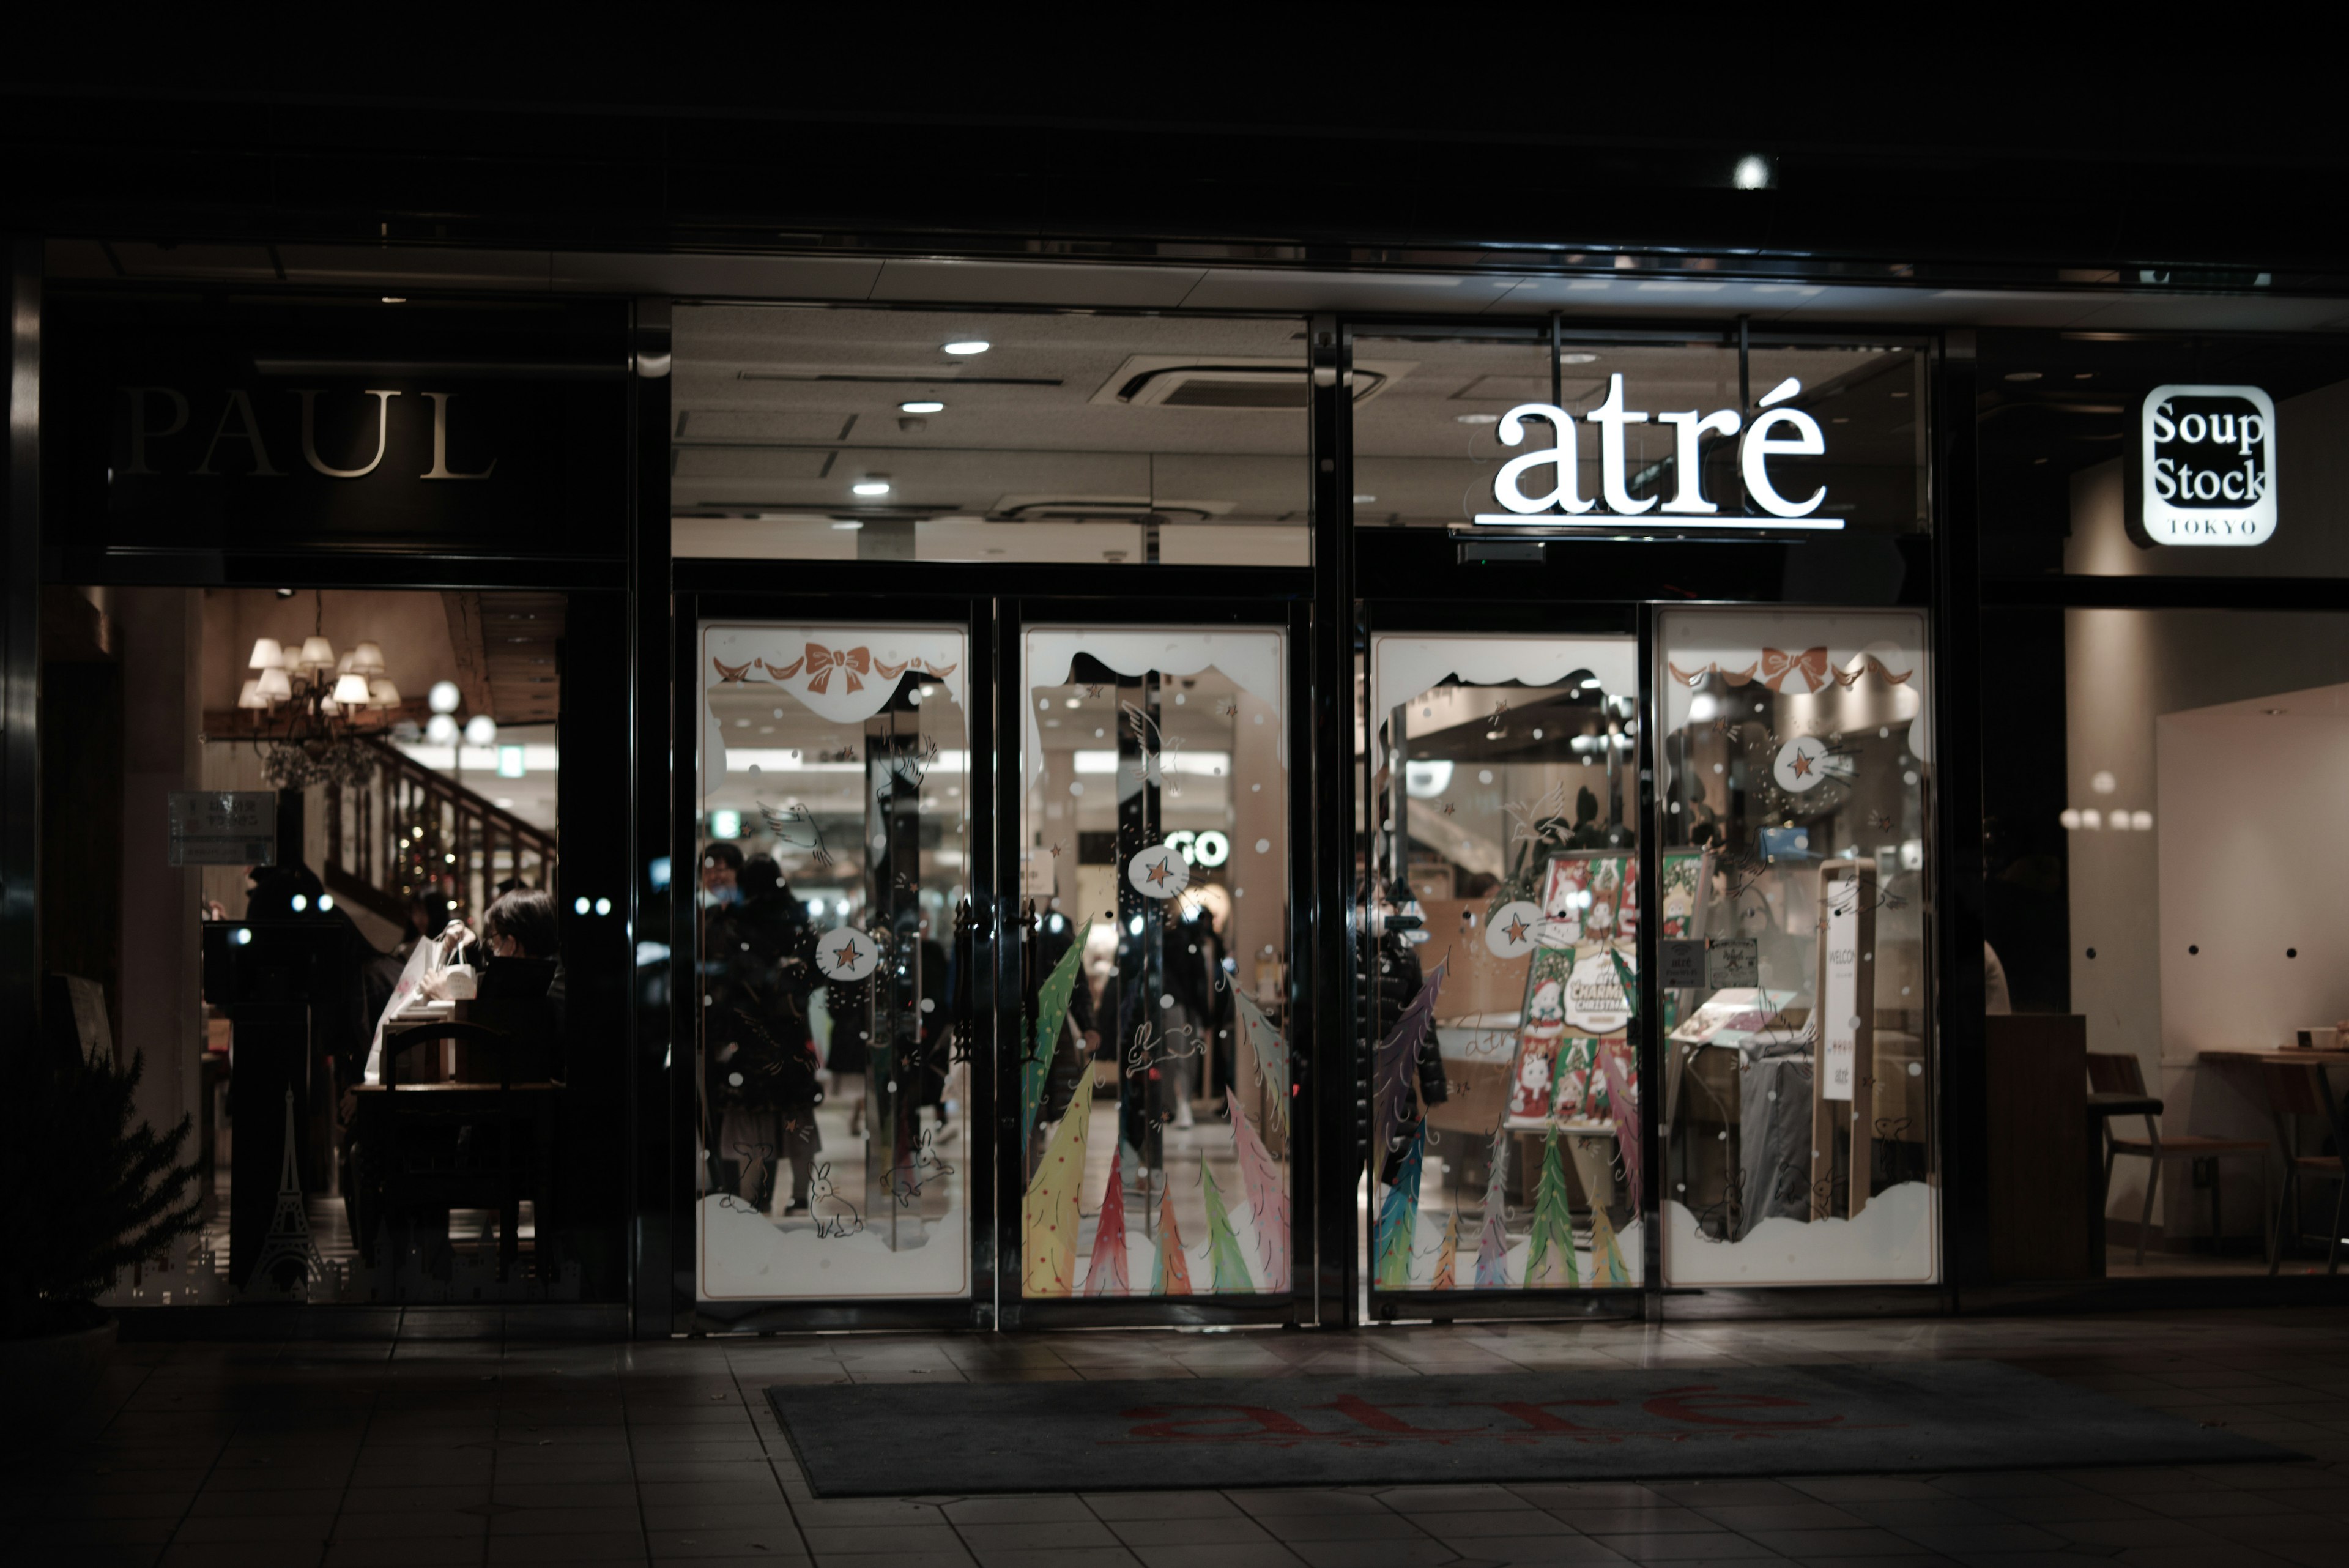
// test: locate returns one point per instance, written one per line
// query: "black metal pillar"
(20, 582)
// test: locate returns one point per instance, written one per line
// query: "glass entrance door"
(832, 878)
(1154, 1083)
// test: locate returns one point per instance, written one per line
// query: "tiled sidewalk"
(433, 1452)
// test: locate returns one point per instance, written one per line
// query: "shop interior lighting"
(922, 406)
(871, 487)
(968, 346)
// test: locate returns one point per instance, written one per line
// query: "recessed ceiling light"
(2022, 375)
(395, 299)
(848, 527)
(871, 487)
(1577, 358)
(921, 406)
(968, 346)
(1478, 419)
(1365, 500)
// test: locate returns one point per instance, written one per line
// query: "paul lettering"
(155, 414)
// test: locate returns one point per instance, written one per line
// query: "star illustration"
(846, 956)
(1157, 875)
(1801, 764)
(1056, 850)
(1516, 928)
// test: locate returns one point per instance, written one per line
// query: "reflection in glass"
(1503, 979)
(1154, 1089)
(833, 798)
(1797, 1098)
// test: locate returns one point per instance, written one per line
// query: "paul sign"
(2204, 468)
(1776, 431)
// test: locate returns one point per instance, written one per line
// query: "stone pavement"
(424, 1451)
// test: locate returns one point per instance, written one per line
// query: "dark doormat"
(871, 1440)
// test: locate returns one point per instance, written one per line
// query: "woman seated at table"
(521, 925)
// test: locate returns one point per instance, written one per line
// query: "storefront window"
(2164, 865)
(833, 862)
(1506, 1114)
(817, 433)
(1793, 760)
(1156, 1086)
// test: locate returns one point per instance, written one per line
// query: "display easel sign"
(225, 827)
(1843, 1033)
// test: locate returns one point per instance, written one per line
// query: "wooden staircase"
(378, 830)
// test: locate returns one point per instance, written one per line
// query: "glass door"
(1154, 1077)
(1501, 975)
(835, 787)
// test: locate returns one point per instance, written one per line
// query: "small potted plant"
(87, 1190)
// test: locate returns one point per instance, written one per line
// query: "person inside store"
(765, 1078)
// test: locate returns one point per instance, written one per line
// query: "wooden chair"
(2292, 1089)
(2118, 1085)
(487, 1144)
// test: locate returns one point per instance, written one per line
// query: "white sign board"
(2205, 470)
(1840, 1006)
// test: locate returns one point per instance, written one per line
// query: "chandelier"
(312, 709)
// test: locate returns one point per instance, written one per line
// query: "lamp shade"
(267, 654)
(351, 691)
(276, 685)
(251, 696)
(317, 653)
(387, 695)
(367, 658)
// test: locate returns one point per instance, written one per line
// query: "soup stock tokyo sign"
(1775, 432)
(2202, 467)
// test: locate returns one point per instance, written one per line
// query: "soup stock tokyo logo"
(1679, 506)
(2204, 467)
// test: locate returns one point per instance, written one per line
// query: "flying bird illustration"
(732, 674)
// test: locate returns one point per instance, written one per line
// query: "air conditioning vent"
(1170, 381)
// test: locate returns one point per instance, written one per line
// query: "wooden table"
(2238, 1062)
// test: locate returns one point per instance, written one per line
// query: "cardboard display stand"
(1843, 1060)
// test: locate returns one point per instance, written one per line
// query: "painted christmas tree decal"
(1606, 1255)
(1448, 1260)
(1052, 1013)
(1048, 1212)
(1492, 1245)
(1396, 1080)
(1268, 1196)
(1549, 1261)
(1623, 1104)
(1271, 1056)
(1398, 1220)
(1171, 1275)
(1105, 1273)
(1227, 1271)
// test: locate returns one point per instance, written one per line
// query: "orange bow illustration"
(1811, 664)
(822, 661)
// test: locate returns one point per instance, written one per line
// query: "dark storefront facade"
(1129, 788)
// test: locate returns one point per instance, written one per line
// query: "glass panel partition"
(1794, 764)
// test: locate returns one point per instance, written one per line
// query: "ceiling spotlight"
(871, 487)
(1753, 172)
(968, 346)
(921, 406)
(1577, 358)
(1478, 419)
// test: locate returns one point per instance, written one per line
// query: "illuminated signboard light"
(1775, 432)
(2204, 471)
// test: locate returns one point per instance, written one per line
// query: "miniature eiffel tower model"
(289, 1228)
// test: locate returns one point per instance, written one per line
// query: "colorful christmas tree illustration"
(1271, 1056)
(1606, 1254)
(1493, 1244)
(1227, 1270)
(1105, 1273)
(1398, 1219)
(1171, 1275)
(1447, 1260)
(1049, 1213)
(1549, 1261)
(1052, 1013)
(1268, 1196)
